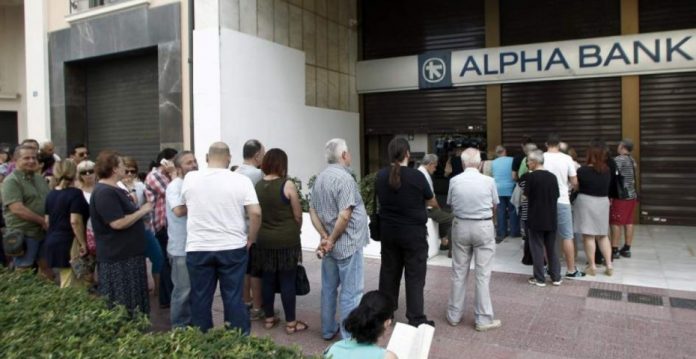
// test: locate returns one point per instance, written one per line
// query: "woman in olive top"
(120, 235)
(278, 251)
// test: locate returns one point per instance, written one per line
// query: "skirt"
(591, 215)
(276, 260)
(125, 283)
(622, 211)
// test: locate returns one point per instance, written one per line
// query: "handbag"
(83, 267)
(374, 219)
(13, 243)
(621, 191)
(301, 281)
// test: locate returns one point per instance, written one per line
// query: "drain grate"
(682, 303)
(604, 294)
(645, 299)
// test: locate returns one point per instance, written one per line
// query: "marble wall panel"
(310, 85)
(309, 38)
(322, 87)
(322, 45)
(265, 19)
(332, 44)
(295, 14)
(229, 14)
(281, 29)
(333, 89)
(248, 18)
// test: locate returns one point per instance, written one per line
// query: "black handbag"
(301, 281)
(374, 219)
(13, 243)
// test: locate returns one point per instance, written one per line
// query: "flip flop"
(292, 329)
(271, 324)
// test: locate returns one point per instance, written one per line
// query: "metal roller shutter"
(429, 111)
(578, 111)
(666, 15)
(8, 127)
(122, 107)
(668, 148)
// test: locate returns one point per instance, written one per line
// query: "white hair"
(536, 156)
(429, 158)
(471, 157)
(499, 150)
(334, 149)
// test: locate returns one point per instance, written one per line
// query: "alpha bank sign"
(673, 51)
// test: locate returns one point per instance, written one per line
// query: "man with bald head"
(218, 202)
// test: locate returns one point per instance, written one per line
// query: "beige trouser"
(471, 238)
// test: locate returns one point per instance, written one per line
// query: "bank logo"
(434, 69)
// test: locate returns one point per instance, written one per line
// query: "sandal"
(299, 326)
(272, 323)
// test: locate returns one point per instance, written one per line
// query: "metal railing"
(77, 6)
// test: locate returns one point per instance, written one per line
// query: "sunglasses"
(131, 172)
(87, 172)
(83, 154)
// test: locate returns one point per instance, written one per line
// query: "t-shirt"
(541, 189)
(215, 199)
(626, 167)
(562, 166)
(108, 204)
(593, 183)
(472, 195)
(176, 226)
(425, 173)
(59, 205)
(516, 163)
(30, 190)
(351, 349)
(502, 173)
(254, 174)
(406, 205)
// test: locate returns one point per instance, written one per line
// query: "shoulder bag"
(301, 281)
(13, 243)
(374, 217)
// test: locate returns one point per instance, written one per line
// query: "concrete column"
(36, 50)
(494, 126)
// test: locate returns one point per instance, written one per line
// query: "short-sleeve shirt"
(593, 183)
(254, 174)
(176, 226)
(215, 199)
(516, 163)
(109, 204)
(626, 167)
(335, 190)
(472, 195)
(563, 167)
(405, 205)
(30, 190)
(351, 349)
(502, 173)
(541, 189)
(60, 204)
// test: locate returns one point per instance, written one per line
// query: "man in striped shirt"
(338, 214)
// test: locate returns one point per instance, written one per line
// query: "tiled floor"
(551, 322)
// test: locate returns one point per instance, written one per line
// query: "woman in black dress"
(67, 212)
(120, 234)
(403, 194)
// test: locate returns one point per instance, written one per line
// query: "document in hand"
(408, 342)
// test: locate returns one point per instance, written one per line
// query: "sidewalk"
(551, 322)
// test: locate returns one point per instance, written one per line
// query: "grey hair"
(563, 147)
(499, 150)
(179, 157)
(428, 159)
(529, 148)
(471, 157)
(627, 144)
(536, 156)
(334, 149)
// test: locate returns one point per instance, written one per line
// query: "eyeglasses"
(83, 154)
(86, 173)
(131, 172)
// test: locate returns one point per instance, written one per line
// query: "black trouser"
(405, 247)
(537, 241)
(166, 285)
(285, 280)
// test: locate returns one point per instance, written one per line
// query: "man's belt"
(475, 219)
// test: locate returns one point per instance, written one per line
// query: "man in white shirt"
(443, 219)
(473, 197)
(218, 202)
(180, 311)
(563, 167)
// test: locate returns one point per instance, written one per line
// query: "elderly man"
(541, 190)
(473, 198)
(506, 213)
(443, 219)
(180, 312)
(49, 149)
(24, 193)
(338, 214)
(621, 211)
(218, 202)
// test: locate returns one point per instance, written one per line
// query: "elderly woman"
(120, 235)
(278, 249)
(66, 214)
(403, 194)
(591, 208)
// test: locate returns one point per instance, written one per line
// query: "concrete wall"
(12, 67)
(246, 87)
(326, 30)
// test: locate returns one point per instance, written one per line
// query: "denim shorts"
(565, 221)
(32, 251)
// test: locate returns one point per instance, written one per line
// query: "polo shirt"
(31, 190)
(472, 195)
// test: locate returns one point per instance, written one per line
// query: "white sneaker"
(557, 283)
(492, 325)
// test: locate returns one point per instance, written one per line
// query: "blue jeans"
(32, 251)
(347, 273)
(180, 311)
(205, 268)
(505, 212)
(153, 251)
